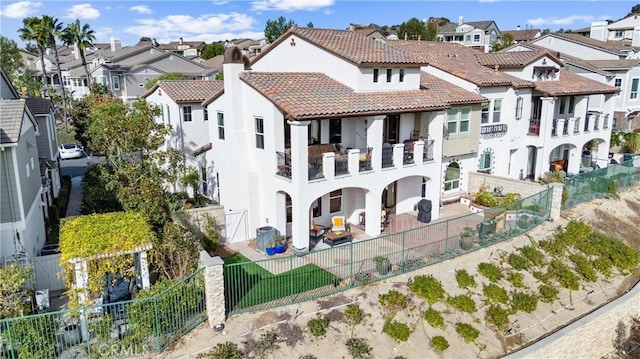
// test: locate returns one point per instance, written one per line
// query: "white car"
(70, 150)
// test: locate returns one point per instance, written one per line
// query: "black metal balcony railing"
(365, 159)
(284, 164)
(605, 122)
(576, 126)
(586, 124)
(316, 170)
(493, 131)
(427, 155)
(534, 127)
(387, 157)
(565, 128)
(341, 164)
(554, 128)
(596, 123)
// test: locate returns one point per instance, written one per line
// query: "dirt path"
(620, 218)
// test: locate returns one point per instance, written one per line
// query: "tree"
(219, 76)
(10, 59)
(310, 24)
(167, 76)
(80, 112)
(432, 31)
(546, 31)
(30, 47)
(634, 10)
(275, 28)
(413, 29)
(505, 41)
(51, 29)
(212, 50)
(82, 37)
(29, 32)
(631, 141)
(13, 278)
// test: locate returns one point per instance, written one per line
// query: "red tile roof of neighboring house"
(351, 46)
(513, 59)
(188, 91)
(572, 84)
(312, 95)
(521, 35)
(447, 91)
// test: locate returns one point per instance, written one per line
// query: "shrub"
(439, 343)
(533, 255)
(553, 176)
(498, 316)
(226, 350)
(358, 348)
(393, 300)
(548, 294)
(463, 303)
(495, 294)
(354, 314)
(553, 247)
(584, 267)
(396, 330)
(318, 326)
(267, 344)
(427, 287)
(467, 332)
(541, 276)
(434, 318)
(523, 302)
(518, 262)
(490, 271)
(464, 279)
(516, 279)
(603, 265)
(488, 199)
(565, 276)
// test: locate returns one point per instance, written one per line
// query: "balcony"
(364, 161)
(586, 123)
(554, 128)
(493, 131)
(387, 157)
(427, 155)
(565, 128)
(534, 127)
(576, 126)
(283, 161)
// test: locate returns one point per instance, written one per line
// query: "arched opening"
(486, 162)
(559, 158)
(532, 158)
(452, 177)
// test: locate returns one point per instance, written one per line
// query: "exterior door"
(391, 132)
(389, 198)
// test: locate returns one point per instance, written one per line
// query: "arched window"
(486, 162)
(452, 177)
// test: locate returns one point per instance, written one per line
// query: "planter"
(279, 249)
(383, 265)
(270, 250)
(466, 243)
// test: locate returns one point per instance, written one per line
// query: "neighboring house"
(625, 30)
(188, 49)
(248, 47)
(587, 48)
(476, 34)
(22, 225)
(43, 111)
(520, 35)
(181, 108)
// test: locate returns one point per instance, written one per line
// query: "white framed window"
(563, 104)
(116, 82)
(452, 177)
(458, 120)
(103, 80)
(186, 114)
(401, 73)
(617, 83)
(476, 38)
(519, 103)
(389, 74)
(618, 34)
(467, 38)
(203, 180)
(259, 122)
(220, 126)
(376, 74)
(497, 110)
(484, 115)
(486, 161)
(425, 180)
(168, 115)
(335, 201)
(634, 89)
(572, 104)
(289, 209)
(205, 113)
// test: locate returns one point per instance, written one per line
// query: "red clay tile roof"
(351, 46)
(188, 91)
(521, 35)
(614, 64)
(447, 91)
(312, 95)
(513, 59)
(572, 84)
(459, 61)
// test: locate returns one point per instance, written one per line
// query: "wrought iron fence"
(365, 159)
(269, 283)
(131, 328)
(387, 157)
(604, 181)
(341, 165)
(284, 164)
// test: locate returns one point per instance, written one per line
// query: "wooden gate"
(237, 229)
(48, 273)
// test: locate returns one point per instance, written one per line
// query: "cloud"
(220, 2)
(141, 9)
(290, 5)
(189, 27)
(83, 11)
(565, 21)
(20, 9)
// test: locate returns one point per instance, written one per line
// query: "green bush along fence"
(124, 329)
(265, 284)
(604, 181)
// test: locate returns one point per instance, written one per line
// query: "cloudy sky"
(224, 20)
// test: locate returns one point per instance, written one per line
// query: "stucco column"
(556, 200)
(418, 151)
(546, 117)
(299, 152)
(373, 211)
(301, 223)
(213, 288)
(374, 140)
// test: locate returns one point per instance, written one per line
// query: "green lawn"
(248, 285)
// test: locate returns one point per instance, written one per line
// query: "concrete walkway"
(75, 197)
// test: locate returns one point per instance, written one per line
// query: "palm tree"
(29, 32)
(82, 38)
(50, 28)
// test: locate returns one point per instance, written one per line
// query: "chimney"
(181, 41)
(635, 38)
(460, 20)
(518, 28)
(598, 30)
(115, 44)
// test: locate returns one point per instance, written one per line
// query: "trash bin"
(264, 235)
(424, 210)
(627, 159)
